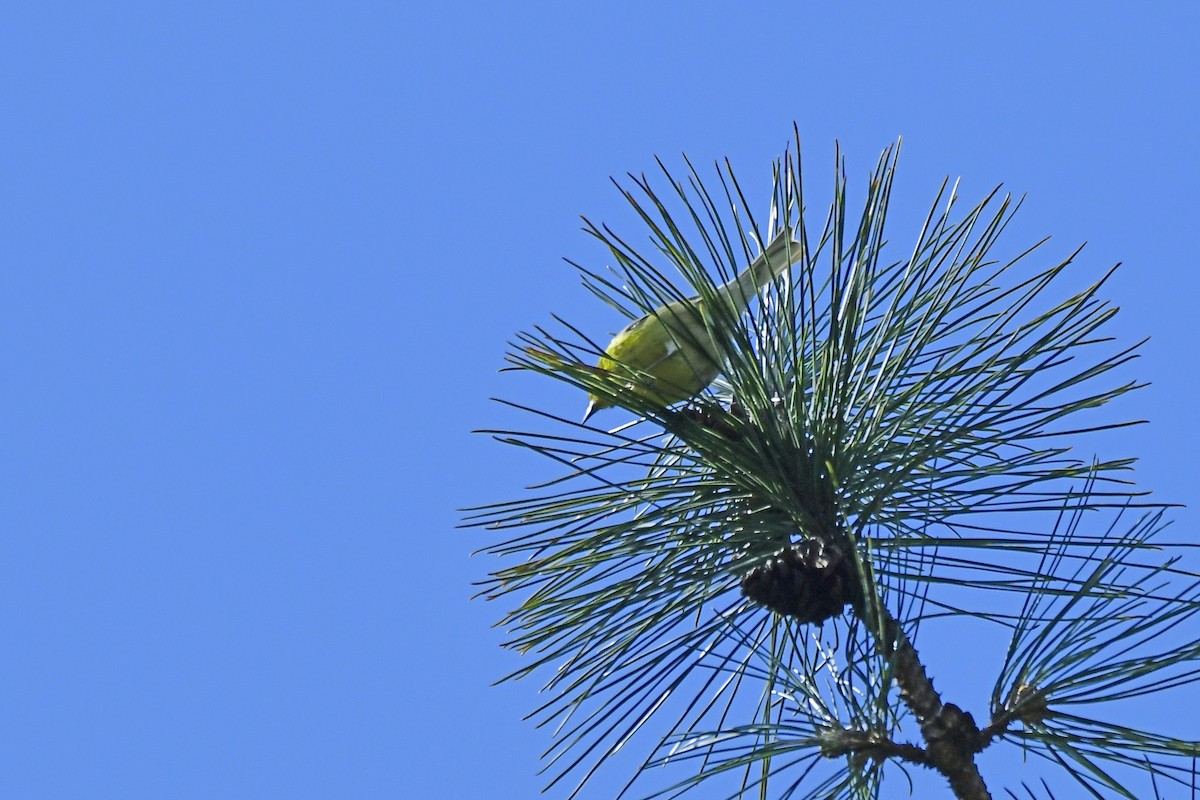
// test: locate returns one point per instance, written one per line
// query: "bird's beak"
(591, 409)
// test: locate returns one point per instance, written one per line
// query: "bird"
(669, 354)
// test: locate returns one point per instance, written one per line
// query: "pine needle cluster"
(739, 581)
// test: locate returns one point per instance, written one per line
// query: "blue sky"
(260, 262)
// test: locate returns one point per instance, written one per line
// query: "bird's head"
(594, 404)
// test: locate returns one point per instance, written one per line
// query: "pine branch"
(951, 736)
(872, 413)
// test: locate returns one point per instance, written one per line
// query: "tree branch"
(952, 738)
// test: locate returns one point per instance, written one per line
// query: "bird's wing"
(642, 344)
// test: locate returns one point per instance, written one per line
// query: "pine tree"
(738, 582)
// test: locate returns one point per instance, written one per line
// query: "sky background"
(258, 265)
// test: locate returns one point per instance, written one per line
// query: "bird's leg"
(705, 417)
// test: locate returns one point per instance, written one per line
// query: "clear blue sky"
(258, 264)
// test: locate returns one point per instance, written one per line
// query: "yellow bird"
(669, 354)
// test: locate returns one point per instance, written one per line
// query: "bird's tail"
(781, 253)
